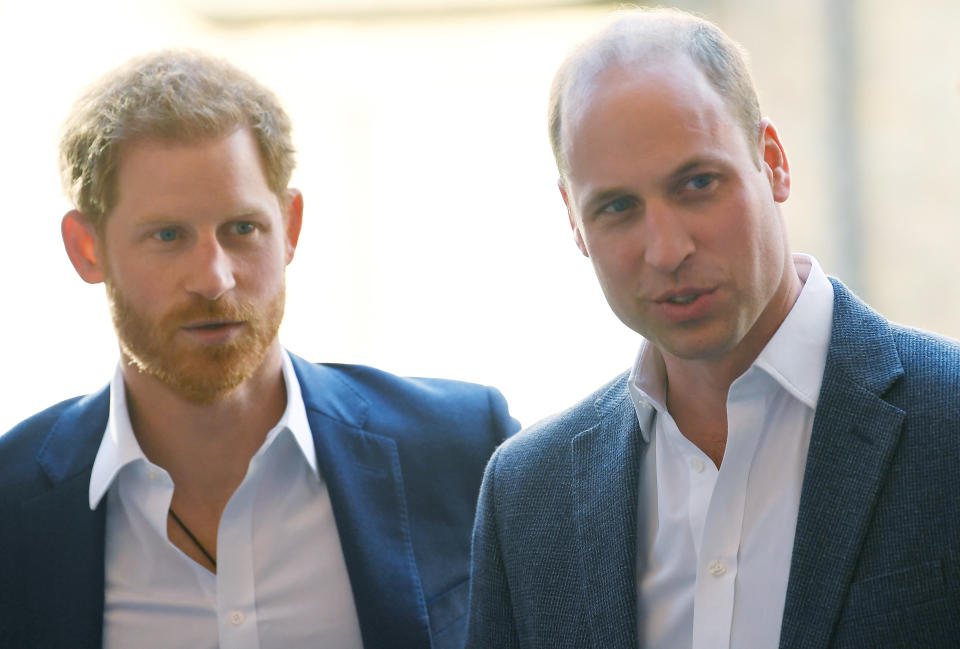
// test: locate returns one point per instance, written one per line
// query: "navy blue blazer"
(402, 458)
(876, 556)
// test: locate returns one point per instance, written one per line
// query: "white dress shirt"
(281, 579)
(714, 546)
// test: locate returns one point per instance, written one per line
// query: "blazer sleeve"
(503, 424)
(491, 621)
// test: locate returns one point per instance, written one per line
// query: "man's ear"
(80, 240)
(293, 211)
(774, 161)
(577, 235)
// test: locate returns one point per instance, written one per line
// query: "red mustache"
(206, 310)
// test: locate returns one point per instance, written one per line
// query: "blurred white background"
(435, 242)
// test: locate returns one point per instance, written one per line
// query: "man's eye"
(700, 181)
(244, 227)
(619, 205)
(167, 234)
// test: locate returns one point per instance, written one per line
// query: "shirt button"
(697, 465)
(153, 474)
(237, 618)
(716, 568)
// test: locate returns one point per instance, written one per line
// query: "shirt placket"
(236, 602)
(718, 552)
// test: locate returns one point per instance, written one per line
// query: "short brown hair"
(639, 36)
(171, 95)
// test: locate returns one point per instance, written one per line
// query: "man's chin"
(705, 342)
(200, 378)
(200, 392)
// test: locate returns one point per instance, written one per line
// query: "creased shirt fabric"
(714, 545)
(281, 577)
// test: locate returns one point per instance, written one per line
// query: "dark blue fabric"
(402, 459)
(876, 550)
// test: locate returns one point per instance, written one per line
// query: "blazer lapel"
(61, 561)
(362, 472)
(855, 433)
(605, 461)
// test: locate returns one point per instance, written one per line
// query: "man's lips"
(686, 303)
(211, 325)
(213, 331)
(682, 296)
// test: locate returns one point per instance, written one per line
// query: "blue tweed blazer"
(876, 557)
(402, 458)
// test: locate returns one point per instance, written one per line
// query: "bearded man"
(222, 492)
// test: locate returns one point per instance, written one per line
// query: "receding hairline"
(638, 39)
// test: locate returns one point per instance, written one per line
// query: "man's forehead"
(174, 136)
(660, 75)
(209, 150)
(180, 176)
(675, 85)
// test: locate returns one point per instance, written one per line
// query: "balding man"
(780, 465)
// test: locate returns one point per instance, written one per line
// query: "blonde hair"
(638, 37)
(171, 95)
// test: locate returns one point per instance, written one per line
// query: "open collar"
(794, 356)
(119, 446)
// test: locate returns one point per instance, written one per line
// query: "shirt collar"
(794, 357)
(119, 446)
(294, 417)
(647, 385)
(797, 353)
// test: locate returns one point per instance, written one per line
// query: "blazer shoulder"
(931, 368)
(407, 407)
(927, 351)
(386, 388)
(28, 436)
(547, 442)
(20, 447)
(916, 371)
(898, 356)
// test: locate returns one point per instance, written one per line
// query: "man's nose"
(667, 240)
(210, 273)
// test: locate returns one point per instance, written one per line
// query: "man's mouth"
(682, 296)
(687, 303)
(683, 299)
(211, 326)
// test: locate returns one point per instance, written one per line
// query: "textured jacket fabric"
(402, 459)
(876, 555)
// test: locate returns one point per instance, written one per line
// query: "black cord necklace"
(193, 538)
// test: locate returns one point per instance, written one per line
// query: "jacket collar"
(852, 422)
(63, 549)
(605, 461)
(72, 443)
(119, 445)
(362, 471)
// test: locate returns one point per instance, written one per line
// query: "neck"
(697, 388)
(206, 447)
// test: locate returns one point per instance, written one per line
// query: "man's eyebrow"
(691, 165)
(243, 216)
(240, 214)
